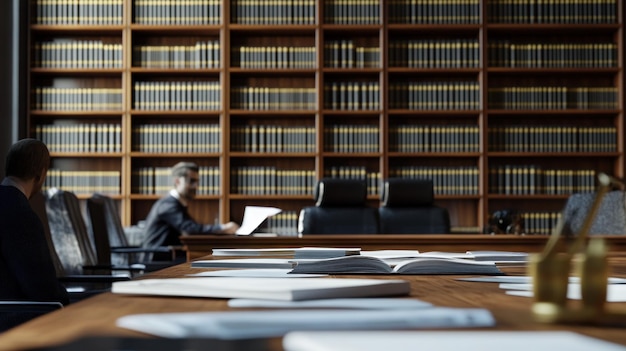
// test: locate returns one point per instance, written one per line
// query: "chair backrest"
(38, 204)
(610, 218)
(69, 232)
(107, 229)
(408, 208)
(340, 208)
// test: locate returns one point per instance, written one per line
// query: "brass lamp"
(550, 271)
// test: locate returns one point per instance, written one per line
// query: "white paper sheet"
(614, 293)
(256, 273)
(253, 216)
(444, 341)
(350, 303)
(273, 323)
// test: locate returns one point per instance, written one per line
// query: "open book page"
(293, 289)
(443, 341)
(274, 323)
(373, 265)
(367, 303)
(253, 216)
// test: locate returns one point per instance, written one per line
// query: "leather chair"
(610, 218)
(111, 243)
(408, 208)
(340, 208)
(78, 267)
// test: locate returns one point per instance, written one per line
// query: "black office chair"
(340, 208)
(408, 208)
(610, 218)
(78, 267)
(111, 243)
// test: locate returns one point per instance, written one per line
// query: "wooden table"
(201, 245)
(96, 316)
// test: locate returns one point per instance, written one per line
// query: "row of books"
(434, 12)
(284, 223)
(552, 139)
(177, 95)
(204, 54)
(186, 138)
(435, 53)
(352, 11)
(540, 222)
(272, 12)
(434, 138)
(81, 137)
(504, 53)
(351, 138)
(553, 98)
(274, 57)
(158, 180)
(163, 12)
(189, 12)
(533, 179)
(372, 179)
(262, 180)
(270, 138)
(352, 96)
(108, 12)
(344, 54)
(76, 99)
(84, 182)
(460, 180)
(435, 95)
(68, 53)
(267, 98)
(550, 11)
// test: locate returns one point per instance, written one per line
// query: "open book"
(294, 289)
(374, 265)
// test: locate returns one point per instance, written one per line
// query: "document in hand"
(273, 323)
(374, 265)
(294, 289)
(253, 216)
(443, 341)
(298, 252)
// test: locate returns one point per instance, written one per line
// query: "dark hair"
(181, 169)
(27, 158)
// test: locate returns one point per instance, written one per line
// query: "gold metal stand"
(550, 271)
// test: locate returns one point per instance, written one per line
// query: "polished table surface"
(201, 245)
(96, 316)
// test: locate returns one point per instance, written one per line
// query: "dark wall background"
(13, 87)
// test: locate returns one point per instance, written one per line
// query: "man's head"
(28, 159)
(186, 178)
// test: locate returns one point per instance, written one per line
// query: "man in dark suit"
(26, 268)
(169, 219)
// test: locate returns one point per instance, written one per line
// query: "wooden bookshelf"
(504, 105)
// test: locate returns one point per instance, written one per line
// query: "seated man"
(168, 219)
(26, 268)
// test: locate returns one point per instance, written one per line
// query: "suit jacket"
(26, 268)
(168, 219)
